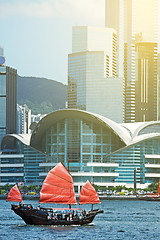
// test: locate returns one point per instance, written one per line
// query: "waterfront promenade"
(102, 197)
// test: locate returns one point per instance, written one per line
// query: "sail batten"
(14, 195)
(88, 194)
(62, 178)
(58, 187)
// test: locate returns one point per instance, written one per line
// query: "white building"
(23, 119)
(37, 118)
(114, 18)
(92, 74)
(85, 38)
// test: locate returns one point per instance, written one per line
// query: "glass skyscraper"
(146, 82)
(136, 21)
(92, 73)
(8, 100)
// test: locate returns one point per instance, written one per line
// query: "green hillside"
(40, 94)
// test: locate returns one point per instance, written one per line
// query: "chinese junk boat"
(57, 188)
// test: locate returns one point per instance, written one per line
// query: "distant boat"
(152, 197)
(58, 188)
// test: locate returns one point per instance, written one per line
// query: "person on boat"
(63, 215)
(76, 215)
(38, 208)
(55, 216)
(84, 212)
(59, 216)
(66, 217)
(70, 216)
(29, 206)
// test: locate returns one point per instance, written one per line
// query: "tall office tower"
(92, 75)
(97, 39)
(135, 21)
(8, 100)
(158, 94)
(114, 18)
(146, 82)
(23, 119)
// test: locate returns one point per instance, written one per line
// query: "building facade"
(92, 75)
(87, 38)
(23, 119)
(19, 161)
(135, 21)
(37, 118)
(94, 146)
(146, 85)
(8, 100)
(114, 18)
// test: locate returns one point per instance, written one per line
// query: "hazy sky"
(37, 34)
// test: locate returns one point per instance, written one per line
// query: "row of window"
(81, 138)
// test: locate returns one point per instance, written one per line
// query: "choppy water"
(121, 220)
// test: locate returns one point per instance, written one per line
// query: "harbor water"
(121, 219)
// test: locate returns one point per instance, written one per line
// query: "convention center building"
(90, 145)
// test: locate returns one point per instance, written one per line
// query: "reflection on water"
(121, 220)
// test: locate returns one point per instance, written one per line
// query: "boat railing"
(61, 209)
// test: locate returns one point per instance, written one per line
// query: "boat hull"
(33, 216)
(150, 199)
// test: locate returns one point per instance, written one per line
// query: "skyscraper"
(135, 21)
(146, 81)
(23, 119)
(8, 100)
(114, 18)
(92, 73)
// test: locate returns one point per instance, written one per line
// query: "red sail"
(158, 190)
(14, 195)
(58, 187)
(88, 194)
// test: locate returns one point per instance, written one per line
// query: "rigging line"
(89, 189)
(62, 177)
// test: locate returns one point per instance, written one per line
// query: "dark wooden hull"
(34, 216)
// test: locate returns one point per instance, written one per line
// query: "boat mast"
(93, 185)
(68, 171)
(68, 165)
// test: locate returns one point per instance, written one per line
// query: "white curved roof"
(132, 127)
(121, 132)
(128, 132)
(117, 128)
(145, 137)
(24, 138)
(135, 128)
